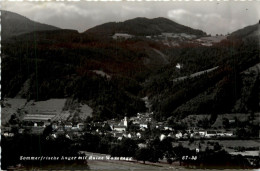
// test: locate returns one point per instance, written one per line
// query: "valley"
(154, 90)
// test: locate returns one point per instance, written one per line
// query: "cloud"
(208, 16)
(210, 22)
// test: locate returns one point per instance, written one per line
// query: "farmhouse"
(210, 134)
(121, 36)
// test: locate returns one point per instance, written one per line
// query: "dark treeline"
(55, 68)
(217, 91)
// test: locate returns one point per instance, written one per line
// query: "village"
(175, 39)
(133, 127)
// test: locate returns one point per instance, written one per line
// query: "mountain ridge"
(142, 26)
(248, 31)
(14, 24)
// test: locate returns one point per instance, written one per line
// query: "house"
(185, 135)
(143, 125)
(138, 134)
(229, 134)
(53, 135)
(168, 128)
(162, 137)
(8, 134)
(42, 124)
(202, 133)
(21, 130)
(54, 125)
(191, 135)
(179, 66)
(159, 125)
(142, 145)
(68, 125)
(122, 36)
(220, 133)
(67, 136)
(60, 131)
(178, 135)
(231, 121)
(196, 135)
(119, 135)
(80, 126)
(171, 135)
(111, 123)
(210, 134)
(129, 135)
(119, 128)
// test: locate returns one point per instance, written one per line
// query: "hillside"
(233, 86)
(247, 32)
(143, 27)
(112, 76)
(64, 64)
(14, 24)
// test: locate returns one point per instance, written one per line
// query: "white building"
(210, 134)
(162, 137)
(122, 36)
(178, 135)
(202, 133)
(138, 134)
(143, 125)
(119, 128)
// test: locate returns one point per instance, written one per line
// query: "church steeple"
(125, 121)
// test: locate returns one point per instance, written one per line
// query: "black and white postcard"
(130, 85)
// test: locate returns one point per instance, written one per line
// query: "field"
(240, 116)
(52, 105)
(97, 161)
(85, 111)
(193, 119)
(124, 165)
(228, 145)
(54, 109)
(9, 107)
(38, 117)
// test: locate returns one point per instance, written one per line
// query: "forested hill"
(14, 24)
(63, 63)
(247, 32)
(143, 27)
(112, 76)
(231, 88)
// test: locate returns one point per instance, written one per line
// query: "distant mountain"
(14, 24)
(142, 27)
(248, 31)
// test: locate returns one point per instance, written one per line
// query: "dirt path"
(164, 57)
(195, 74)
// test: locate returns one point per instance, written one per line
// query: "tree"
(225, 123)
(47, 131)
(129, 147)
(13, 120)
(143, 154)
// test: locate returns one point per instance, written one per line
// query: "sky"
(213, 17)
